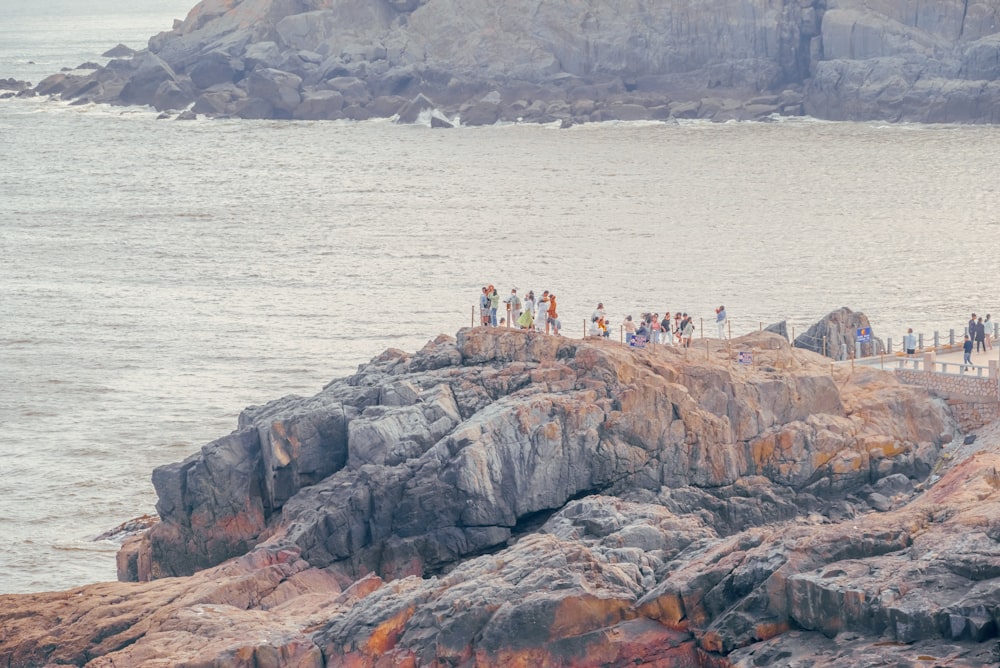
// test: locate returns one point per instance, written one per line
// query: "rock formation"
(566, 61)
(836, 336)
(508, 498)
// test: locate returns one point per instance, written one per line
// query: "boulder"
(779, 328)
(276, 89)
(171, 95)
(149, 73)
(318, 105)
(213, 69)
(835, 335)
(410, 112)
(119, 51)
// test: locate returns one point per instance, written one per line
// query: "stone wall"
(974, 401)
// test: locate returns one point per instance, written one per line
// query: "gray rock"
(411, 111)
(837, 333)
(277, 89)
(213, 69)
(149, 73)
(320, 105)
(724, 60)
(171, 95)
(779, 328)
(119, 51)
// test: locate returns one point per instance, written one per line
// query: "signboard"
(864, 335)
(744, 357)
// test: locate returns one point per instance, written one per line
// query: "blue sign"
(864, 334)
(744, 357)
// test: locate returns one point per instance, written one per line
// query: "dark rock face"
(573, 62)
(835, 336)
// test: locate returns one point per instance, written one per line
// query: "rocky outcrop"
(509, 498)
(836, 336)
(568, 61)
(419, 461)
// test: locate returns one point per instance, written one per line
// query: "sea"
(158, 276)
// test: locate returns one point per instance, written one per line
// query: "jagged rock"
(437, 122)
(170, 95)
(276, 89)
(510, 498)
(411, 111)
(551, 402)
(120, 51)
(320, 105)
(213, 69)
(779, 328)
(836, 334)
(149, 73)
(724, 60)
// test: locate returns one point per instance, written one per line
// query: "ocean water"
(159, 276)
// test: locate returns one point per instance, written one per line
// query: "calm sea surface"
(159, 276)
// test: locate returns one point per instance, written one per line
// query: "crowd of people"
(541, 314)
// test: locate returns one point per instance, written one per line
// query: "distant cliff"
(571, 61)
(506, 498)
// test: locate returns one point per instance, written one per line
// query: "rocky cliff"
(565, 60)
(513, 499)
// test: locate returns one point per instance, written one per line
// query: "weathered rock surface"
(572, 62)
(507, 498)
(835, 336)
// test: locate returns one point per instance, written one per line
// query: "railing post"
(920, 341)
(843, 351)
(888, 346)
(929, 362)
(857, 350)
(937, 340)
(951, 337)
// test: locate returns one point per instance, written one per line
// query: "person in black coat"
(967, 348)
(980, 336)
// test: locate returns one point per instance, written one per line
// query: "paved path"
(952, 358)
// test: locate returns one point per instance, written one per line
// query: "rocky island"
(479, 62)
(504, 498)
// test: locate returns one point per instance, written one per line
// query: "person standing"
(484, 307)
(971, 329)
(541, 317)
(665, 329)
(553, 319)
(980, 336)
(513, 306)
(528, 311)
(988, 331)
(494, 305)
(720, 321)
(629, 326)
(910, 342)
(967, 348)
(688, 331)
